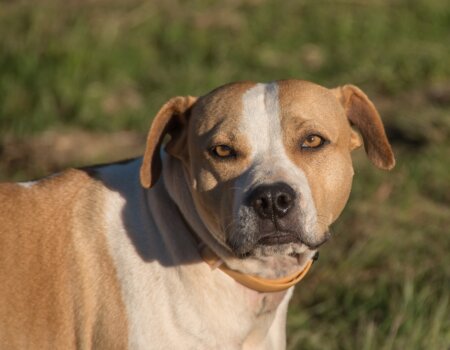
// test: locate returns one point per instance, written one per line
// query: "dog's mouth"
(286, 237)
(277, 242)
(279, 237)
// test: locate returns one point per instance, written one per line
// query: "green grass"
(383, 281)
(109, 65)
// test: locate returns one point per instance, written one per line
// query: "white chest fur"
(173, 299)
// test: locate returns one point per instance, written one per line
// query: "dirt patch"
(53, 150)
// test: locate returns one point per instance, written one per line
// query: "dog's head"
(269, 165)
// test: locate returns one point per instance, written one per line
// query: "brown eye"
(313, 141)
(223, 151)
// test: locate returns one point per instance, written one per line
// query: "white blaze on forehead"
(261, 124)
(260, 118)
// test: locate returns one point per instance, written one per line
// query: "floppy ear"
(363, 115)
(171, 119)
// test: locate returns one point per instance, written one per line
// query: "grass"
(385, 284)
(80, 69)
(108, 65)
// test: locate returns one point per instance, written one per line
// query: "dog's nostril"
(263, 205)
(283, 201)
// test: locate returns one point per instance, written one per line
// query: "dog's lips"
(278, 238)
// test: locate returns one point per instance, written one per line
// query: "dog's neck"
(176, 181)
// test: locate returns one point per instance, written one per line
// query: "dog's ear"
(170, 120)
(363, 115)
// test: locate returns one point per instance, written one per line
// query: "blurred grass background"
(81, 80)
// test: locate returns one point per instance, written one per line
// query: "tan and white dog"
(125, 255)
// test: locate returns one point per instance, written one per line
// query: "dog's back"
(49, 297)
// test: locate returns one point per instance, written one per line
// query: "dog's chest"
(263, 304)
(169, 303)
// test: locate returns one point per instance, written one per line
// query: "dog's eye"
(313, 141)
(223, 151)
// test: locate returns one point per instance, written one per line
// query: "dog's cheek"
(209, 213)
(213, 200)
(336, 187)
(205, 180)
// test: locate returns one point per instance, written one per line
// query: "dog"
(199, 243)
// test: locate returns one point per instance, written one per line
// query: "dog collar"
(258, 284)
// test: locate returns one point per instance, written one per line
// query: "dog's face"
(269, 164)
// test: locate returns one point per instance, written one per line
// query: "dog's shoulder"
(52, 250)
(43, 208)
(45, 192)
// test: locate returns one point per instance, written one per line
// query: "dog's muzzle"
(274, 206)
(272, 202)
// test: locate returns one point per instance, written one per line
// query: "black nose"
(273, 200)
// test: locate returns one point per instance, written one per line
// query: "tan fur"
(222, 107)
(58, 286)
(311, 109)
(363, 115)
(214, 121)
(171, 119)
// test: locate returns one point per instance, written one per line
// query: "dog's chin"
(273, 248)
(280, 249)
(280, 244)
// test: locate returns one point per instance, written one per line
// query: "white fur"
(262, 125)
(173, 299)
(27, 184)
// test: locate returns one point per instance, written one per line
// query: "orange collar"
(258, 284)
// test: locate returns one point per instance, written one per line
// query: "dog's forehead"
(295, 99)
(222, 104)
(306, 101)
